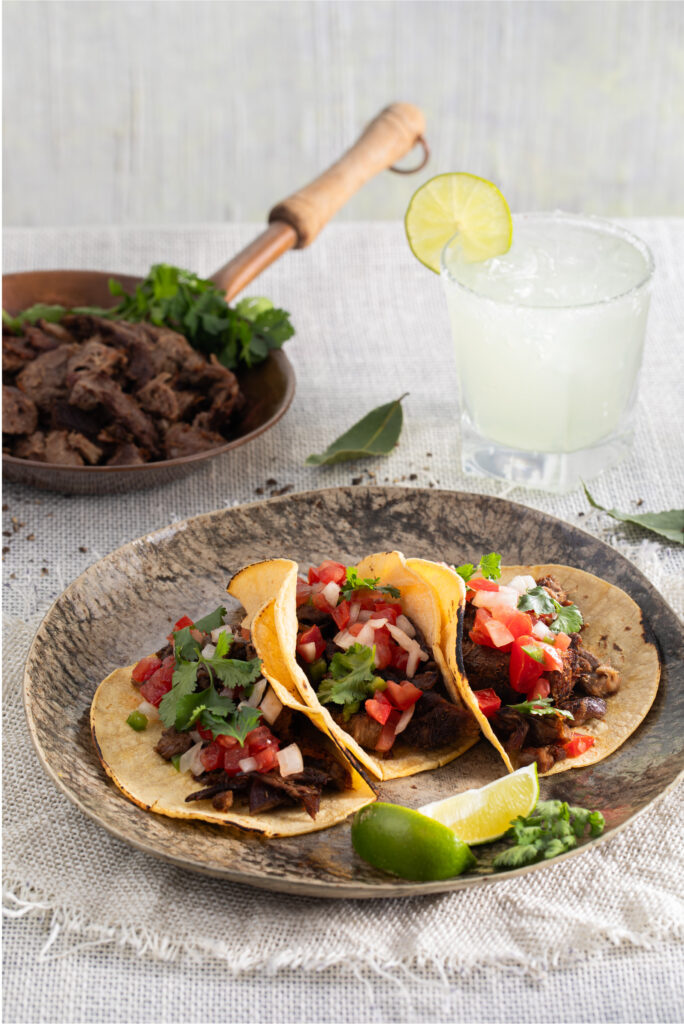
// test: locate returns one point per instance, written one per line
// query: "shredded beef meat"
(583, 709)
(223, 801)
(366, 731)
(135, 392)
(172, 743)
(19, 412)
(545, 729)
(511, 728)
(545, 757)
(428, 678)
(436, 722)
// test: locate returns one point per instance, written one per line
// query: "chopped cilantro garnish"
(489, 566)
(536, 600)
(211, 621)
(352, 672)
(541, 706)
(568, 618)
(355, 582)
(552, 828)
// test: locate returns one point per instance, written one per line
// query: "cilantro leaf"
(491, 566)
(541, 706)
(185, 647)
(355, 582)
(231, 671)
(351, 672)
(183, 685)
(239, 725)
(516, 857)
(211, 621)
(536, 600)
(568, 618)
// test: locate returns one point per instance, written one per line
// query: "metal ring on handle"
(421, 165)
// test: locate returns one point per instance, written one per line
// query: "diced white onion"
(366, 635)
(376, 623)
(307, 651)
(404, 720)
(290, 760)
(412, 662)
(195, 736)
(406, 625)
(190, 760)
(248, 764)
(354, 612)
(270, 706)
(344, 639)
(257, 693)
(402, 638)
(521, 584)
(542, 631)
(209, 651)
(365, 614)
(216, 633)
(148, 709)
(504, 597)
(331, 592)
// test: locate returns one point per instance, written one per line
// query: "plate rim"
(392, 888)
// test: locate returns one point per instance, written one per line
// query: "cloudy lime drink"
(549, 339)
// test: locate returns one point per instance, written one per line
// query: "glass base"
(546, 471)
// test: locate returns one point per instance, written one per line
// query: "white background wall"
(178, 112)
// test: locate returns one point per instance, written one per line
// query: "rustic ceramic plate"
(121, 608)
(268, 387)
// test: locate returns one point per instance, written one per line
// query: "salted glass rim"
(600, 223)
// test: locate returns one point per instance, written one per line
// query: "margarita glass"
(549, 339)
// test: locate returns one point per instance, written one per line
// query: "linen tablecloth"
(95, 931)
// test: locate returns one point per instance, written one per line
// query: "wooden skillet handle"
(386, 139)
(295, 222)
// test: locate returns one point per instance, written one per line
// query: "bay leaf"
(375, 434)
(669, 524)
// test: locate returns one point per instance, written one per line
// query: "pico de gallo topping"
(524, 640)
(226, 725)
(368, 661)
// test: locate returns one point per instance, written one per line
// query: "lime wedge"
(481, 815)
(406, 843)
(463, 204)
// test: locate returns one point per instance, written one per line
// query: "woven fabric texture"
(371, 324)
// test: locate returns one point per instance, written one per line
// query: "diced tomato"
(517, 622)
(332, 572)
(367, 599)
(311, 636)
(303, 591)
(259, 739)
(386, 738)
(523, 671)
(356, 628)
(399, 658)
(206, 734)
(266, 759)
(562, 641)
(387, 610)
(341, 614)
(159, 682)
(227, 742)
(383, 651)
(320, 602)
(553, 660)
(212, 757)
(488, 701)
(500, 635)
(312, 575)
(578, 744)
(232, 758)
(478, 583)
(478, 634)
(145, 667)
(542, 688)
(382, 697)
(182, 623)
(377, 710)
(403, 695)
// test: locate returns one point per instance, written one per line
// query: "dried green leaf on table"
(669, 524)
(375, 434)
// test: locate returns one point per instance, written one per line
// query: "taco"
(205, 730)
(552, 661)
(361, 645)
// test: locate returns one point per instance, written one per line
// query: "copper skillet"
(293, 224)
